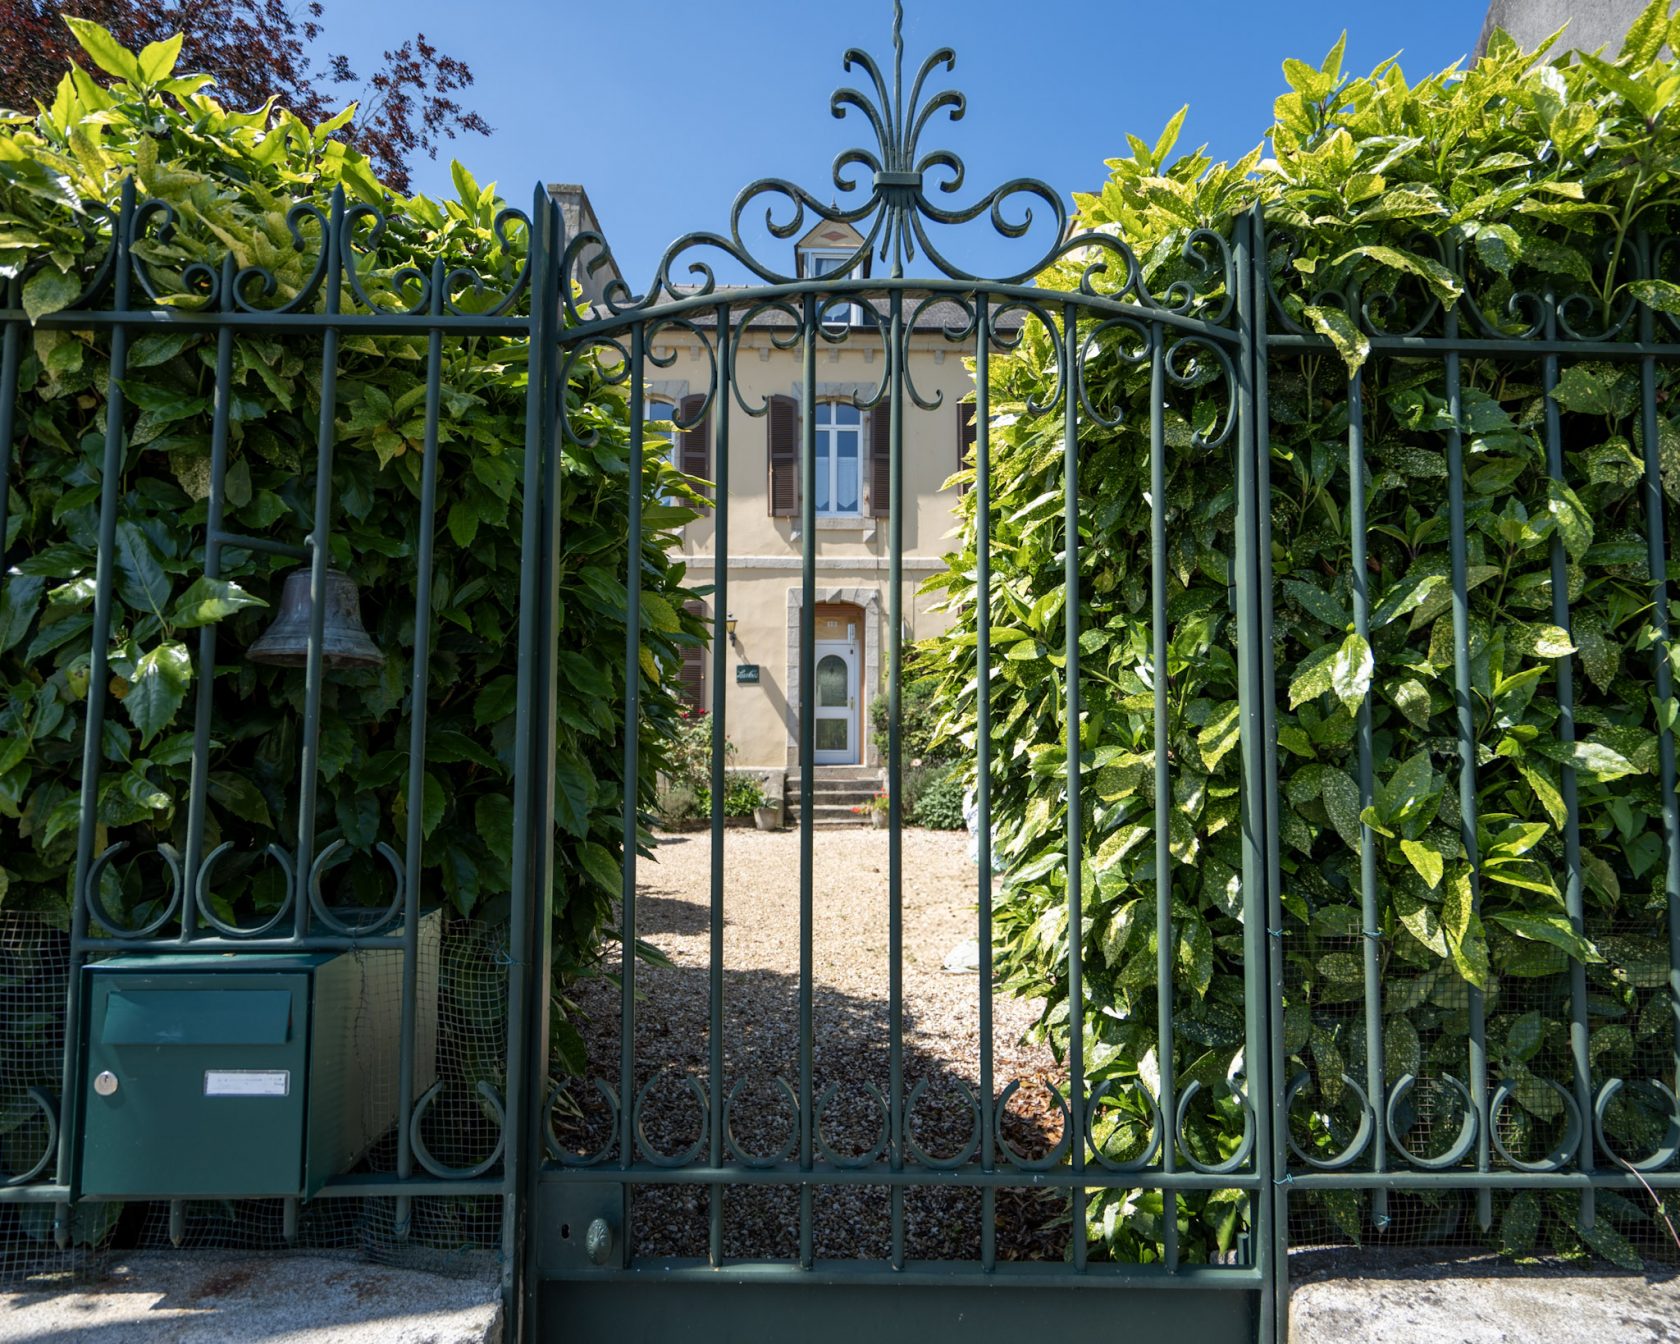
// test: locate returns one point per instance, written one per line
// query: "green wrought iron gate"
(586, 1272)
(567, 1159)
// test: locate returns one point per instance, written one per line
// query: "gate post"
(529, 946)
(1262, 914)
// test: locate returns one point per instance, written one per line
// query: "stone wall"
(1592, 23)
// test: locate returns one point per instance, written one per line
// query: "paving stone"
(219, 1298)
(1406, 1296)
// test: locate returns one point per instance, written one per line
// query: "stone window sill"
(864, 527)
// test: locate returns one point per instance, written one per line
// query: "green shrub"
(230, 178)
(914, 780)
(677, 803)
(688, 755)
(741, 795)
(918, 719)
(1527, 178)
(938, 803)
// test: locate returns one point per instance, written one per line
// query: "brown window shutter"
(880, 462)
(966, 437)
(691, 680)
(783, 456)
(694, 456)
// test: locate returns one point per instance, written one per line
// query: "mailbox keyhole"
(566, 1231)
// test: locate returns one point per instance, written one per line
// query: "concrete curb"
(1386, 1296)
(221, 1298)
(1402, 1296)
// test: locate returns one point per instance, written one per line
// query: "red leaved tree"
(256, 50)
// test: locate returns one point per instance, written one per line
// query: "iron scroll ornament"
(140, 242)
(896, 215)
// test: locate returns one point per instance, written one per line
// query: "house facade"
(763, 598)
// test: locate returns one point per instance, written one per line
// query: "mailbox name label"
(247, 1082)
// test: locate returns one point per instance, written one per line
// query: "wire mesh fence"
(447, 1235)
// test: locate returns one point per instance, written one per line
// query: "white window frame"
(832, 312)
(651, 407)
(827, 435)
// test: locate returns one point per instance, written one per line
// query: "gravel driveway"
(850, 1012)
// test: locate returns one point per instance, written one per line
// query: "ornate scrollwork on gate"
(552, 1143)
(1666, 1149)
(147, 238)
(893, 191)
(49, 1146)
(1351, 1151)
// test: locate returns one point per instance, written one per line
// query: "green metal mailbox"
(246, 1075)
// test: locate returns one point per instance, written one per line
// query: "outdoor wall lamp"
(729, 625)
(345, 642)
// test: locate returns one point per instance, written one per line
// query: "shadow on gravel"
(851, 1079)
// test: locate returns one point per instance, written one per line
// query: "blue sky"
(664, 109)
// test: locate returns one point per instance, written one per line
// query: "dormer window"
(815, 262)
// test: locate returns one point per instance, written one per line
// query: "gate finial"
(898, 51)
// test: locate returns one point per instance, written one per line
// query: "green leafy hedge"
(1382, 197)
(231, 178)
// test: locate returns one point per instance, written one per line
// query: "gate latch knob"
(105, 1084)
(598, 1241)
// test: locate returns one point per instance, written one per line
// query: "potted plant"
(877, 810)
(767, 816)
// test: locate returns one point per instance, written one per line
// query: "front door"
(836, 713)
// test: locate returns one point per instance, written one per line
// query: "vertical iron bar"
(632, 755)
(10, 354)
(1580, 1059)
(720, 738)
(418, 714)
(1163, 782)
(983, 745)
(1376, 1082)
(1273, 1233)
(807, 743)
(1466, 746)
(93, 726)
(1075, 821)
(895, 749)
(320, 534)
(1656, 559)
(1252, 654)
(533, 1128)
(198, 789)
(518, 1277)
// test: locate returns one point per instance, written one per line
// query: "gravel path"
(850, 1011)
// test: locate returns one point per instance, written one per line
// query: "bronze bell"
(344, 640)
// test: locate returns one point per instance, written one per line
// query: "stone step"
(834, 813)
(865, 773)
(837, 793)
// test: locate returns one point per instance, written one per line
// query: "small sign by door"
(746, 674)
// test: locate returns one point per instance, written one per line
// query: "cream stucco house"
(851, 661)
(764, 560)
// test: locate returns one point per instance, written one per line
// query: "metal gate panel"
(579, 1238)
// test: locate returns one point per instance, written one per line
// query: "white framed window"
(817, 261)
(659, 434)
(839, 435)
(820, 261)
